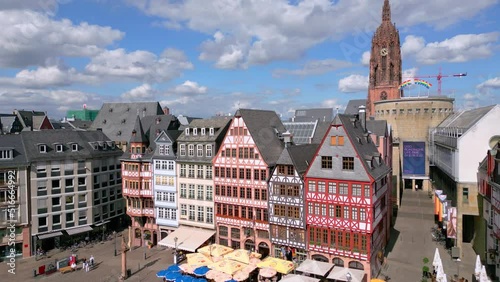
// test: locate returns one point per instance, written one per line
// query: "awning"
(315, 267)
(340, 274)
(188, 238)
(101, 223)
(50, 235)
(78, 230)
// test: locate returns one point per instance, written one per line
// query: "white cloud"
(409, 73)
(365, 58)
(492, 83)
(139, 65)
(353, 83)
(30, 38)
(258, 32)
(460, 48)
(315, 67)
(46, 6)
(142, 92)
(188, 88)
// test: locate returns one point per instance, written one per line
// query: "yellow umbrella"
(280, 265)
(215, 250)
(196, 260)
(227, 266)
(376, 280)
(242, 255)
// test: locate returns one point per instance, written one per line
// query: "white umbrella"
(437, 259)
(477, 269)
(440, 275)
(483, 277)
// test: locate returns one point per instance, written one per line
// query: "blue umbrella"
(231, 280)
(201, 280)
(161, 273)
(173, 276)
(201, 271)
(185, 278)
(173, 267)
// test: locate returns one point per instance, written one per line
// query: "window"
(195, 131)
(183, 209)
(211, 131)
(191, 213)
(69, 200)
(42, 221)
(465, 195)
(56, 219)
(82, 215)
(74, 147)
(186, 131)
(201, 214)
(42, 148)
(183, 170)
(312, 186)
(321, 187)
(191, 171)
(200, 192)
(346, 212)
(191, 191)
(333, 140)
(82, 198)
(210, 215)
(191, 150)
(362, 214)
(338, 211)
(326, 162)
(203, 131)
(209, 150)
(344, 189)
(182, 149)
(199, 150)
(183, 190)
(356, 190)
(199, 171)
(59, 148)
(354, 213)
(69, 217)
(348, 163)
(209, 193)
(6, 154)
(56, 201)
(332, 188)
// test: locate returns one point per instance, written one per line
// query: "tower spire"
(386, 11)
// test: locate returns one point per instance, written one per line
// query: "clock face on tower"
(384, 52)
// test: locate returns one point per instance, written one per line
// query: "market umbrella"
(173, 276)
(200, 280)
(198, 259)
(185, 278)
(477, 268)
(376, 280)
(437, 259)
(231, 280)
(241, 275)
(483, 276)
(186, 268)
(215, 250)
(267, 272)
(280, 265)
(173, 267)
(201, 271)
(161, 273)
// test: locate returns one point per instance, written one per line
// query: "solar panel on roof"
(302, 132)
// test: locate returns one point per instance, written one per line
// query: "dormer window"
(124, 120)
(42, 148)
(59, 148)
(6, 154)
(186, 131)
(211, 131)
(203, 131)
(195, 131)
(158, 120)
(74, 147)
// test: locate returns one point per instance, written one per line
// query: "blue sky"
(201, 58)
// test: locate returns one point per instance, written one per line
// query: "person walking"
(91, 260)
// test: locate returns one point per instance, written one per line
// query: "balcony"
(136, 192)
(129, 173)
(140, 212)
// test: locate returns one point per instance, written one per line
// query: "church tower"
(385, 62)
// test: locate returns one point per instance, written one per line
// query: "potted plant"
(425, 269)
(150, 244)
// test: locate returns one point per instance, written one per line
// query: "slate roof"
(8, 123)
(300, 156)
(265, 127)
(218, 123)
(26, 117)
(117, 119)
(32, 140)
(365, 150)
(320, 114)
(138, 135)
(466, 119)
(321, 129)
(81, 124)
(377, 127)
(153, 125)
(352, 107)
(14, 141)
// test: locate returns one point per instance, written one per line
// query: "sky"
(202, 58)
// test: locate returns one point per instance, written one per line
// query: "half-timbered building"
(242, 167)
(347, 197)
(286, 200)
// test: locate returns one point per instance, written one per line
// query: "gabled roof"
(377, 127)
(26, 117)
(364, 149)
(8, 124)
(300, 156)
(138, 135)
(466, 119)
(117, 119)
(265, 127)
(217, 123)
(352, 107)
(15, 142)
(153, 125)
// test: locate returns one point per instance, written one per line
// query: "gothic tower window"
(391, 73)
(384, 68)
(383, 95)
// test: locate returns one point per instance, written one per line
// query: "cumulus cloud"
(492, 83)
(139, 65)
(365, 58)
(409, 73)
(315, 67)
(460, 48)
(353, 83)
(46, 6)
(188, 88)
(142, 92)
(258, 32)
(30, 38)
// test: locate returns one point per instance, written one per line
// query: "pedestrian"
(84, 264)
(91, 260)
(87, 266)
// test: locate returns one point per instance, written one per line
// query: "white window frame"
(211, 131)
(42, 148)
(186, 131)
(182, 149)
(191, 150)
(208, 150)
(59, 148)
(74, 147)
(199, 150)
(203, 131)
(195, 131)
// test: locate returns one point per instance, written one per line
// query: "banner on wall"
(414, 158)
(451, 230)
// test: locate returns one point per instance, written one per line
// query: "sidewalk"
(108, 267)
(411, 241)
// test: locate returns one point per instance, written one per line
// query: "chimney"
(287, 138)
(362, 117)
(166, 110)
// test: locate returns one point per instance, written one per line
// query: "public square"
(108, 267)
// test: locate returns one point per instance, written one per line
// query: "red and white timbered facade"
(346, 195)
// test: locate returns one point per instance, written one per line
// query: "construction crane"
(439, 76)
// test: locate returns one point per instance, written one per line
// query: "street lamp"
(175, 252)
(114, 234)
(348, 277)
